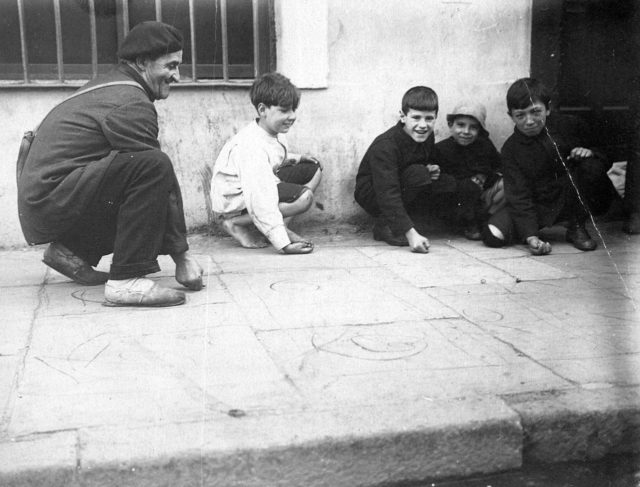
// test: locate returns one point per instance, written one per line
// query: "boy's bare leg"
(241, 228)
(289, 210)
(315, 181)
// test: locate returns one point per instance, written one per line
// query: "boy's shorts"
(293, 179)
(291, 186)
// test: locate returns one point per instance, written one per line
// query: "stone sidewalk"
(358, 365)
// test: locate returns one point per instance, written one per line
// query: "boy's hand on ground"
(538, 247)
(302, 247)
(417, 243)
(434, 171)
(580, 153)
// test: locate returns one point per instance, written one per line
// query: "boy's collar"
(263, 130)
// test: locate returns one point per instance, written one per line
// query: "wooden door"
(586, 51)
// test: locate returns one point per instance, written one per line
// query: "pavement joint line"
(19, 374)
(523, 354)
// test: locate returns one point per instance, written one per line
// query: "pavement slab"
(360, 364)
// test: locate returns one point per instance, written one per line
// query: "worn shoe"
(631, 225)
(383, 233)
(140, 291)
(580, 238)
(60, 258)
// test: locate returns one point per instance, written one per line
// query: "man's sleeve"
(132, 127)
(384, 164)
(260, 191)
(519, 196)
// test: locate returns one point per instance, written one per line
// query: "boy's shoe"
(383, 232)
(580, 238)
(60, 258)
(140, 291)
(631, 224)
(472, 232)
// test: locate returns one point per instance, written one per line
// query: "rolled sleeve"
(260, 193)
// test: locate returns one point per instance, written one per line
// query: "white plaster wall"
(375, 51)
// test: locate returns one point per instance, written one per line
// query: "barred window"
(54, 42)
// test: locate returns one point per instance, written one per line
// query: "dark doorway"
(586, 51)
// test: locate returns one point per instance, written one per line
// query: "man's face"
(531, 120)
(418, 124)
(276, 119)
(465, 130)
(161, 72)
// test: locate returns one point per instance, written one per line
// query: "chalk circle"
(483, 314)
(289, 286)
(371, 345)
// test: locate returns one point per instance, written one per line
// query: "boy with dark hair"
(398, 167)
(257, 185)
(550, 174)
(472, 159)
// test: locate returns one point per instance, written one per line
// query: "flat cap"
(152, 39)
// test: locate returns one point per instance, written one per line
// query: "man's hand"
(580, 153)
(188, 271)
(537, 246)
(417, 242)
(434, 171)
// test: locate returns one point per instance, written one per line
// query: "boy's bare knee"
(305, 200)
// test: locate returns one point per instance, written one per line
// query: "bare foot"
(244, 235)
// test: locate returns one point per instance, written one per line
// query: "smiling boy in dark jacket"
(398, 167)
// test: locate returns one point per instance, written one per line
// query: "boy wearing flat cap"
(472, 159)
(95, 181)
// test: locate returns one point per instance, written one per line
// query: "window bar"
(256, 39)
(125, 18)
(225, 41)
(58, 22)
(23, 42)
(192, 27)
(94, 39)
(158, 10)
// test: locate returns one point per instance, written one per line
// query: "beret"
(152, 39)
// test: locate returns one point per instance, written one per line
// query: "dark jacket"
(465, 161)
(386, 158)
(74, 146)
(536, 180)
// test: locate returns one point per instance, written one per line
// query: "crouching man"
(96, 182)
